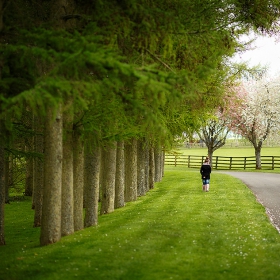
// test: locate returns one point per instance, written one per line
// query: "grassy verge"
(176, 231)
(231, 152)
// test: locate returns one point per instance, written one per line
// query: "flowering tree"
(257, 117)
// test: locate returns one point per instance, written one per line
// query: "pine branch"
(162, 62)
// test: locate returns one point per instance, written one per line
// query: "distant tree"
(214, 125)
(258, 116)
(214, 133)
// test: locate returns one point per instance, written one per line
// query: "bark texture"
(158, 164)
(92, 174)
(131, 170)
(1, 15)
(258, 157)
(2, 184)
(67, 204)
(147, 167)
(51, 210)
(28, 121)
(120, 176)
(38, 173)
(29, 178)
(162, 163)
(141, 189)
(78, 183)
(109, 155)
(7, 178)
(151, 168)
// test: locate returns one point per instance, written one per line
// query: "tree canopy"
(141, 54)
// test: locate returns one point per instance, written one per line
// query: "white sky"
(266, 52)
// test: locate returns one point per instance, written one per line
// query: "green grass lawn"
(176, 231)
(231, 152)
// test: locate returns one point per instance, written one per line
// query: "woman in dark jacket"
(205, 171)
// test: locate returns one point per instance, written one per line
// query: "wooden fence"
(224, 163)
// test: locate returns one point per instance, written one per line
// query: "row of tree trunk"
(74, 179)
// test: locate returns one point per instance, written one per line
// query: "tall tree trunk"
(92, 177)
(151, 168)
(78, 183)
(210, 154)
(162, 163)
(51, 210)
(147, 167)
(52, 194)
(67, 201)
(28, 120)
(258, 157)
(1, 15)
(38, 173)
(2, 183)
(141, 190)
(131, 170)
(29, 178)
(3, 180)
(7, 178)
(158, 164)
(109, 155)
(120, 176)
(11, 172)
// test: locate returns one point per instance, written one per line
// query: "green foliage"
(258, 12)
(176, 231)
(141, 58)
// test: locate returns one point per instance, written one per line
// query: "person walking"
(205, 171)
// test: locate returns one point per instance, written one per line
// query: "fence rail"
(224, 163)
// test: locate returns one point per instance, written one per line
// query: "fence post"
(175, 162)
(272, 163)
(245, 162)
(189, 161)
(230, 163)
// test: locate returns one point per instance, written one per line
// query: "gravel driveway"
(266, 187)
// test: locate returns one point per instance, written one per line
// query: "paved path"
(266, 187)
